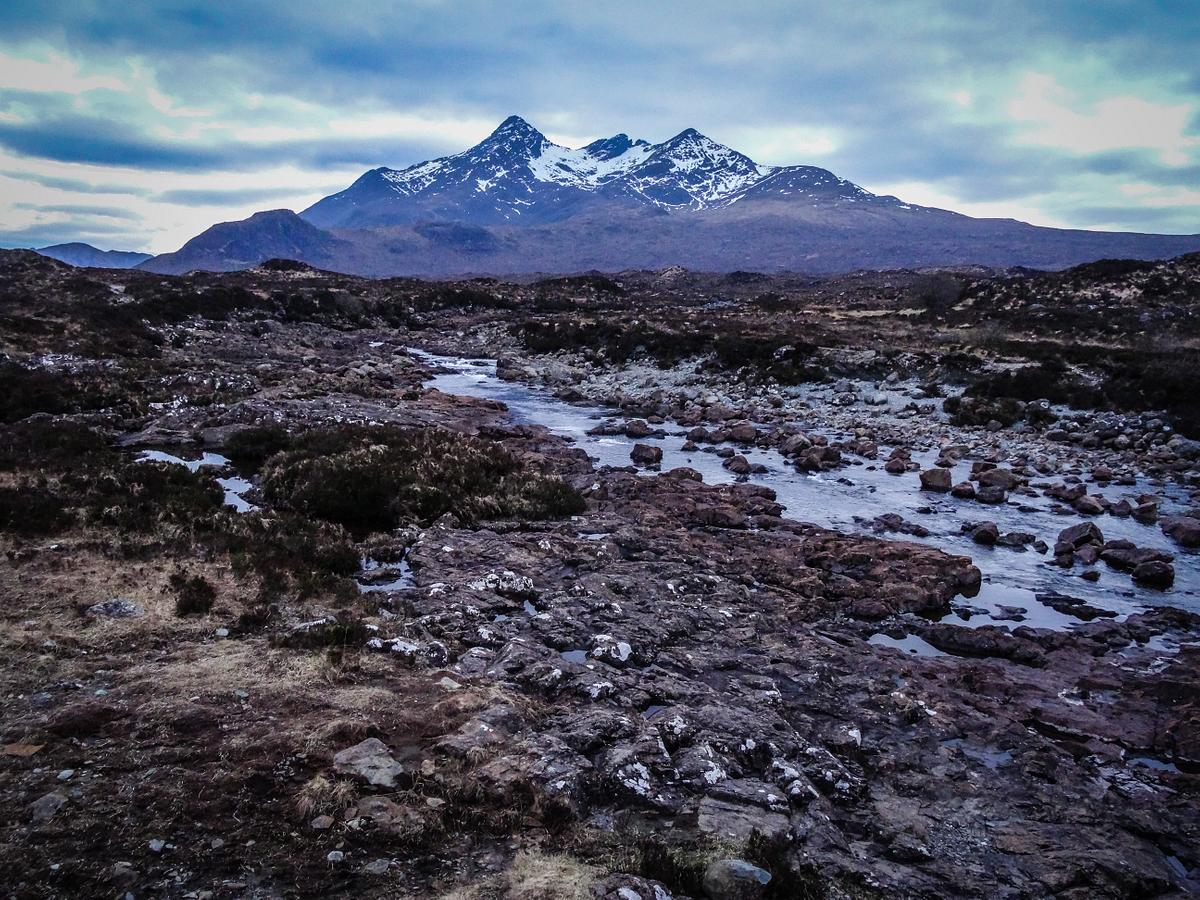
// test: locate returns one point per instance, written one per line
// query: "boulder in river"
(1080, 535)
(1184, 529)
(935, 480)
(1001, 478)
(737, 464)
(1154, 574)
(964, 490)
(646, 455)
(985, 533)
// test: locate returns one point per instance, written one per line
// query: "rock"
(795, 443)
(818, 459)
(1080, 535)
(622, 886)
(991, 495)
(735, 879)
(1125, 556)
(646, 455)
(1066, 493)
(1183, 529)
(157, 845)
(335, 856)
(964, 490)
(1001, 478)
(123, 874)
(506, 584)
(1146, 512)
(377, 866)
(1016, 539)
(935, 480)
(743, 433)
(1154, 574)
(637, 429)
(896, 466)
(720, 516)
(44, 808)
(737, 464)
(116, 608)
(370, 760)
(986, 534)
(1089, 505)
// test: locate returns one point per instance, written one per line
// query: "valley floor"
(418, 643)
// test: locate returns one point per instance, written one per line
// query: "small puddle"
(1151, 762)
(579, 657)
(206, 460)
(374, 577)
(910, 643)
(234, 486)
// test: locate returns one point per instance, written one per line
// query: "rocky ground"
(443, 655)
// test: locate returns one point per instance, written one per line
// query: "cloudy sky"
(135, 125)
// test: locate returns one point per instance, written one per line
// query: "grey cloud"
(104, 212)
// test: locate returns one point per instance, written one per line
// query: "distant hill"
(89, 257)
(275, 234)
(517, 202)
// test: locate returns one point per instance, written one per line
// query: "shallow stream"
(850, 498)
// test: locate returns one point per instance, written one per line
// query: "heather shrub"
(378, 479)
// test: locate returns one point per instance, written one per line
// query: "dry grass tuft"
(320, 795)
(533, 875)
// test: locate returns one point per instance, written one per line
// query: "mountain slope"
(516, 202)
(87, 256)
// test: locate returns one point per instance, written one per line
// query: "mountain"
(518, 176)
(89, 257)
(516, 202)
(277, 233)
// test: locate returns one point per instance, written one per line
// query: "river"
(848, 499)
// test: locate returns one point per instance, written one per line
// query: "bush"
(1164, 381)
(194, 594)
(26, 392)
(315, 555)
(32, 512)
(140, 496)
(40, 443)
(938, 292)
(254, 446)
(1049, 380)
(381, 478)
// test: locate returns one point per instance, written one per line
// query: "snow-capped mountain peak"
(517, 174)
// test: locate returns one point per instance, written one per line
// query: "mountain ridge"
(81, 255)
(517, 174)
(517, 202)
